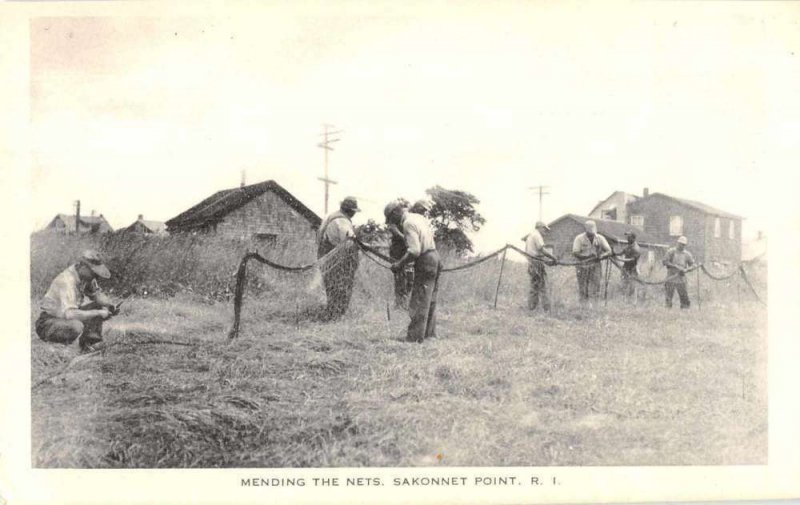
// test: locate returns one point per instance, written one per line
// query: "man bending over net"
(427, 266)
(338, 273)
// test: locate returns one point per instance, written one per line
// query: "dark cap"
(421, 206)
(94, 261)
(350, 203)
(630, 234)
(391, 209)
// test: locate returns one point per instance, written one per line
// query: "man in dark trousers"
(427, 266)
(338, 274)
(403, 278)
(678, 260)
(589, 245)
(74, 307)
(630, 265)
(534, 246)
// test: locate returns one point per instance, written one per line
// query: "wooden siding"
(268, 215)
(698, 228)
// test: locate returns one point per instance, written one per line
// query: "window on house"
(610, 214)
(717, 227)
(675, 226)
(265, 239)
(731, 230)
(637, 221)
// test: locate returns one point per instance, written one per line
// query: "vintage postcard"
(382, 252)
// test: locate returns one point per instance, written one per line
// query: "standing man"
(404, 278)
(339, 276)
(678, 260)
(534, 246)
(427, 266)
(589, 245)
(74, 307)
(630, 265)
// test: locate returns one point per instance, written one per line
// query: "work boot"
(89, 339)
(97, 346)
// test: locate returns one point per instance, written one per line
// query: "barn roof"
(152, 226)
(221, 203)
(609, 197)
(696, 205)
(612, 230)
(69, 221)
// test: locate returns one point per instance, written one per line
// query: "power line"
(542, 190)
(327, 139)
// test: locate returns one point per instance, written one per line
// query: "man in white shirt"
(74, 307)
(534, 246)
(678, 260)
(338, 277)
(421, 250)
(589, 245)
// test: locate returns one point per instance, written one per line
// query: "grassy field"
(609, 385)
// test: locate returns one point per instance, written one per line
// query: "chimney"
(141, 217)
(93, 211)
(242, 184)
(646, 192)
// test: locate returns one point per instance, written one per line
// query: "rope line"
(476, 262)
(749, 285)
(371, 250)
(719, 277)
(385, 261)
(661, 282)
(561, 263)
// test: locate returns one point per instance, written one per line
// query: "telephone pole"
(77, 217)
(328, 133)
(542, 190)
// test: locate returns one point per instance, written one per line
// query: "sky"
(149, 115)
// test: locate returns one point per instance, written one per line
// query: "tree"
(371, 232)
(452, 215)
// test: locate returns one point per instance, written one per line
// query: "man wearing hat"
(66, 315)
(421, 207)
(678, 260)
(338, 278)
(630, 265)
(589, 245)
(403, 278)
(534, 246)
(427, 266)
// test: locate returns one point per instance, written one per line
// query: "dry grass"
(611, 385)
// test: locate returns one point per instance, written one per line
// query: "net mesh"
(355, 282)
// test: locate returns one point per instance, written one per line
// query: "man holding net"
(677, 260)
(427, 266)
(403, 278)
(534, 246)
(338, 267)
(588, 246)
(630, 266)
(74, 307)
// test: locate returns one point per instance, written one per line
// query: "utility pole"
(327, 134)
(542, 191)
(77, 217)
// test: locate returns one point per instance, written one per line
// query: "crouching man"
(74, 307)
(421, 250)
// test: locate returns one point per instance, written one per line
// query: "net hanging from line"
(335, 272)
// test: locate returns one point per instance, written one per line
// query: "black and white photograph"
(467, 252)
